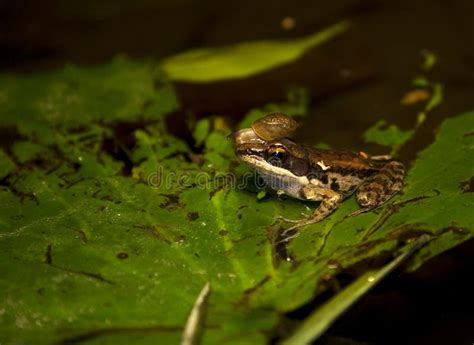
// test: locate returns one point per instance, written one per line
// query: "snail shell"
(274, 126)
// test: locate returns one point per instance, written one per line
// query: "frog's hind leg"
(329, 202)
(379, 188)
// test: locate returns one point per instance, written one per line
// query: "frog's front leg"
(379, 188)
(329, 202)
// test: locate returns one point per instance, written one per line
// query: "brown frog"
(307, 173)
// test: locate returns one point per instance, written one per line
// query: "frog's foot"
(294, 221)
(361, 210)
(287, 235)
(292, 231)
(302, 222)
(326, 207)
(287, 220)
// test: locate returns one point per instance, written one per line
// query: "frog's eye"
(276, 155)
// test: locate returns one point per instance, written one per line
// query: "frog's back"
(340, 170)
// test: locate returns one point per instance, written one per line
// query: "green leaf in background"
(243, 59)
(110, 226)
(437, 97)
(387, 135)
(390, 135)
(6, 164)
(201, 131)
(72, 97)
(429, 60)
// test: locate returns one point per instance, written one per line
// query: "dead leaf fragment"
(415, 96)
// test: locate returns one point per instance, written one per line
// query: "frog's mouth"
(277, 178)
(259, 163)
(251, 150)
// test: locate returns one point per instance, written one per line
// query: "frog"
(307, 173)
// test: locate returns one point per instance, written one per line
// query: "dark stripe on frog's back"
(340, 162)
(345, 171)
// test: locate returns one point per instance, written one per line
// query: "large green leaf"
(110, 226)
(243, 59)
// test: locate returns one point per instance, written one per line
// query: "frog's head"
(281, 157)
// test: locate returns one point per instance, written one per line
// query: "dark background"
(368, 69)
(354, 80)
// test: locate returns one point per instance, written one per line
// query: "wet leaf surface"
(111, 226)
